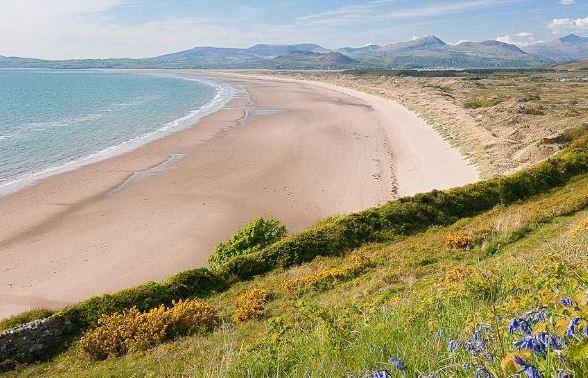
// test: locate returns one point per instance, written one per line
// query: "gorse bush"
(132, 330)
(457, 241)
(254, 236)
(250, 305)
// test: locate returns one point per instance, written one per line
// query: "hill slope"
(428, 284)
(565, 49)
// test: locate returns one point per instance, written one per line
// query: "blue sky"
(139, 28)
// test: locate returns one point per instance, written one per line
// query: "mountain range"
(423, 53)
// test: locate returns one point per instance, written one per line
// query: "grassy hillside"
(428, 283)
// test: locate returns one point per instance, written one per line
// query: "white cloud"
(376, 10)
(568, 25)
(519, 39)
(63, 29)
(448, 8)
(567, 2)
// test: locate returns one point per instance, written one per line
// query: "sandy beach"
(295, 151)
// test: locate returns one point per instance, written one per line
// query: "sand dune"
(291, 150)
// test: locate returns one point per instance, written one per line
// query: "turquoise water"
(52, 121)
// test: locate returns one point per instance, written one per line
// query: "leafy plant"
(254, 236)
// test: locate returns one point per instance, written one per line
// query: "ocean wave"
(223, 94)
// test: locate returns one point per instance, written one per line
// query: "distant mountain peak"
(431, 39)
(571, 38)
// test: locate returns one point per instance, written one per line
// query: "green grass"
(400, 302)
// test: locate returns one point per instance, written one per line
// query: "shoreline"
(223, 95)
(292, 151)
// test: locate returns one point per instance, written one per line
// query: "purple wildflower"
(550, 341)
(529, 370)
(384, 350)
(397, 363)
(381, 374)
(564, 374)
(571, 330)
(531, 343)
(482, 372)
(566, 301)
(536, 316)
(439, 335)
(519, 324)
(452, 345)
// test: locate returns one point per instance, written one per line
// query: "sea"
(52, 121)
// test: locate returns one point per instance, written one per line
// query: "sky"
(64, 29)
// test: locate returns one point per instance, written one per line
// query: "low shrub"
(191, 317)
(529, 97)
(132, 330)
(252, 237)
(250, 305)
(323, 279)
(477, 103)
(455, 241)
(192, 283)
(534, 110)
(25, 317)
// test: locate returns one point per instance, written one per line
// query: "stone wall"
(32, 341)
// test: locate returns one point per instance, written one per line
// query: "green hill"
(430, 284)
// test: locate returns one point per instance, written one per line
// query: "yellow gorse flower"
(132, 330)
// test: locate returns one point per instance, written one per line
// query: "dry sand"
(305, 151)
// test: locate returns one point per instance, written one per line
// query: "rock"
(33, 341)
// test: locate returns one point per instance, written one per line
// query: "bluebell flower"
(571, 330)
(466, 366)
(484, 327)
(586, 304)
(529, 370)
(384, 350)
(488, 355)
(585, 333)
(452, 345)
(473, 346)
(397, 363)
(381, 374)
(439, 335)
(566, 301)
(564, 374)
(550, 341)
(519, 324)
(536, 316)
(482, 372)
(531, 343)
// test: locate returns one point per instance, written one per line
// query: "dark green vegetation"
(254, 236)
